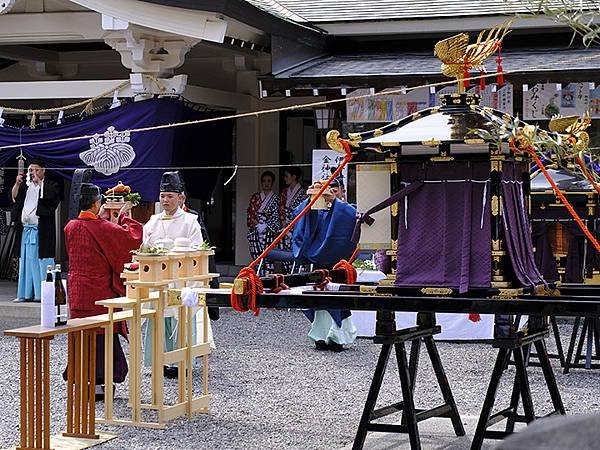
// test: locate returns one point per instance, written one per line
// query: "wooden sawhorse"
(519, 349)
(389, 339)
(591, 328)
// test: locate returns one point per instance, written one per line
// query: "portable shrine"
(562, 252)
(458, 218)
(459, 228)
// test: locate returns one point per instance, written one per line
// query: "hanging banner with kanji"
(385, 108)
(325, 162)
(544, 100)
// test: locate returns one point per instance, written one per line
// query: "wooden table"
(35, 381)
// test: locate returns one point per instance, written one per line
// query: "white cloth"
(454, 326)
(189, 297)
(29, 214)
(179, 225)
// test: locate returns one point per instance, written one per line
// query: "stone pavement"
(272, 390)
(27, 311)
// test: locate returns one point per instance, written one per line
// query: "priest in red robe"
(97, 250)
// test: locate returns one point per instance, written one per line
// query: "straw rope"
(258, 113)
(87, 103)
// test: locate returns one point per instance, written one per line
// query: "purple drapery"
(515, 222)
(544, 258)
(152, 148)
(444, 227)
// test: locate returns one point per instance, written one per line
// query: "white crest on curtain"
(109, 151)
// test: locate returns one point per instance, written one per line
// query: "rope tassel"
(499, 73)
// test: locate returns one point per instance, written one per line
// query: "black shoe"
(100, 391)
(213, 312)
(170, 372)
(321, 345)
(335, 347)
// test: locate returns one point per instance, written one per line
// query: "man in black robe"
(36, 198)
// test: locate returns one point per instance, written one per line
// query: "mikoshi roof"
(449, 123)
(565, 179)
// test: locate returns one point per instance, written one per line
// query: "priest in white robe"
(161, 230)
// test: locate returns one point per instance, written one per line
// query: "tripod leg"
(559, 347)
(578, 353)
(540, 347)
(413, 364)
(407, 397)
(440, 374)
(514, 404)
(590, 339)
(523, 379)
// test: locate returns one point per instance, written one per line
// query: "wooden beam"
(26, 90)
(26, 53)
(41, 28)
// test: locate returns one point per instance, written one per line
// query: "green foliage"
(150, 251)
(205, 246)
(365, 264)
(133, 197)
(578, 15)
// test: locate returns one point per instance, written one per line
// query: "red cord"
(529, 149)
(325, 278)
(254, 286)
(279, 283)
(355, 254)
(350, 271)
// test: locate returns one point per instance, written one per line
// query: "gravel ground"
(272, 390)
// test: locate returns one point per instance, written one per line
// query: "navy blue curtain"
(138, 159)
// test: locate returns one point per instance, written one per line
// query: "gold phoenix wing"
(458, 56)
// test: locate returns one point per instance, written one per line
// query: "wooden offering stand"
(313, 190)
(149, 286)
(113, 206)
(35, 381)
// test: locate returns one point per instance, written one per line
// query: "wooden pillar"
(35, 393)
(81, 384)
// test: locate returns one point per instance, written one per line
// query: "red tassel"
(466, 82)
(481, 82)
(499, 74)
(474, 317)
